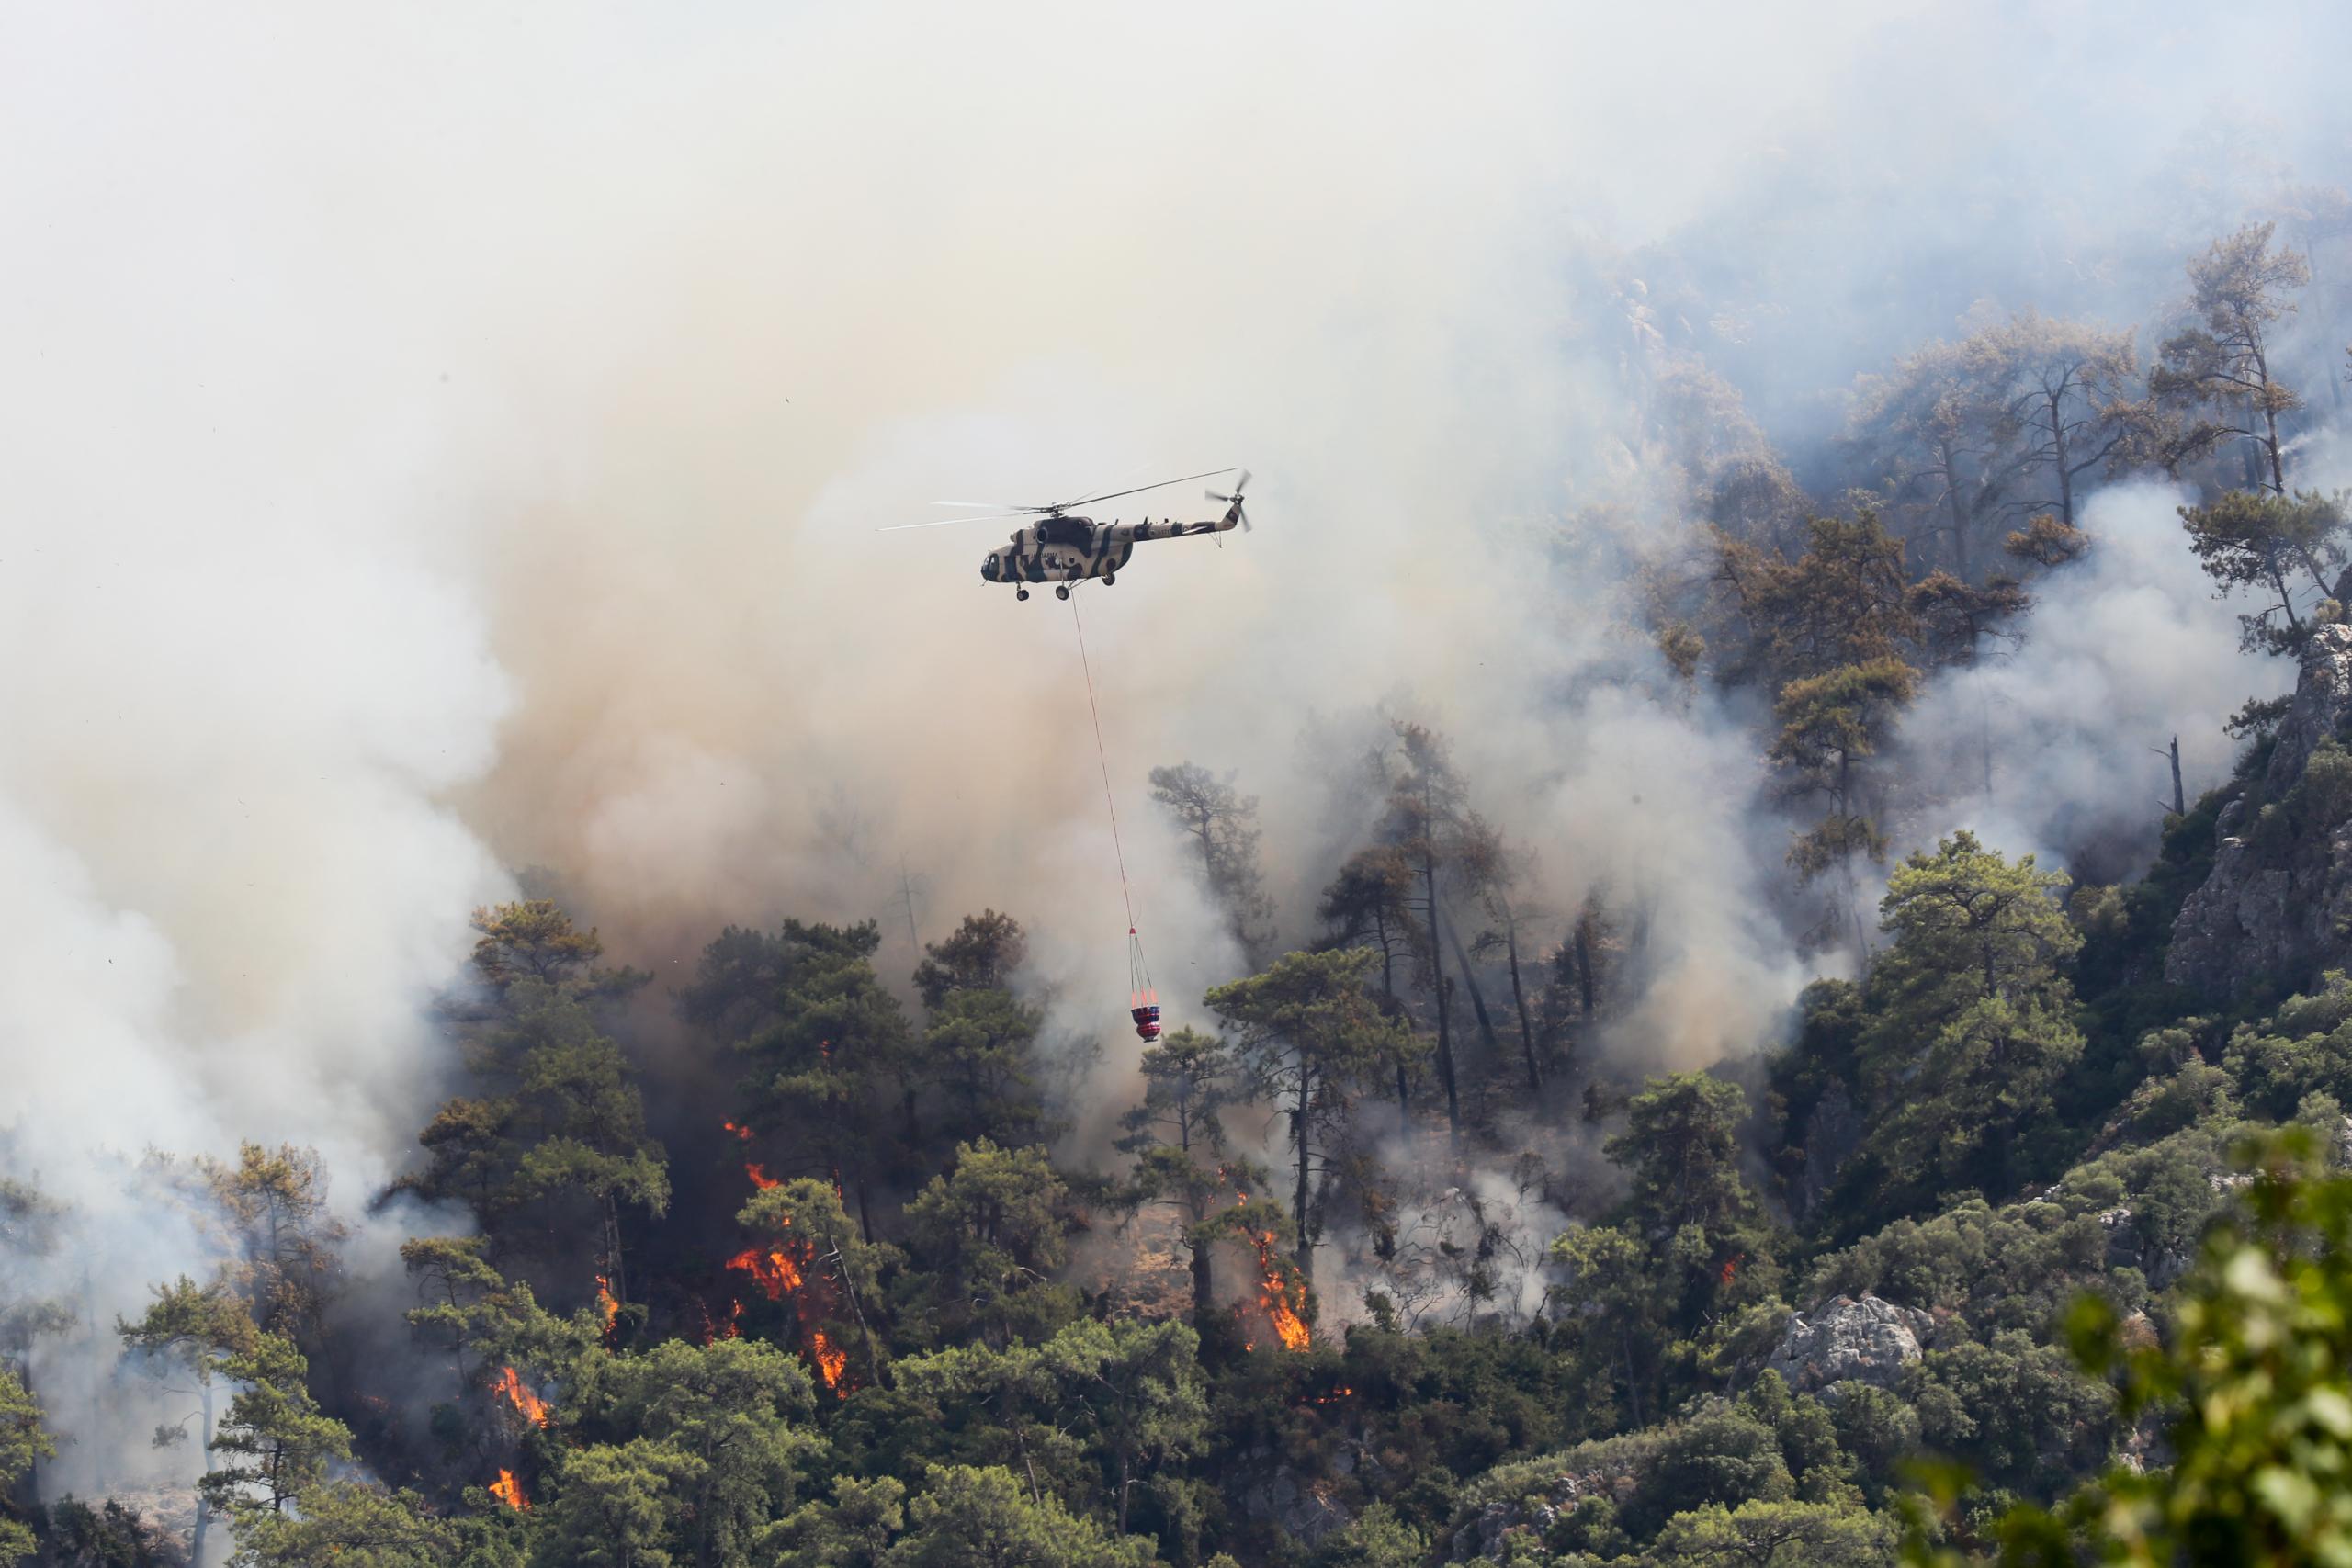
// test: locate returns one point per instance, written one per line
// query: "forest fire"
(509, 1491)
(713, 1331)
(776, 1271)
(509, 1385)
(606, 1305)
(760, 1180)
(832, 1362)
(1283, 1294)
(781, 1272)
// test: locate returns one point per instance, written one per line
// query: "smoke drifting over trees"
(1718, 481)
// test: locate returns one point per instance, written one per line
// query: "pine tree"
(1311, 1038)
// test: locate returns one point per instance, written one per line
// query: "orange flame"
(509, 1491)
(1731, 1267)
(606, 1305)
(830, 1362)
(712, 1333)
(741, 1131)
(1283, 1295)
(776, 1269)
(760, 1180)
(509, 1383)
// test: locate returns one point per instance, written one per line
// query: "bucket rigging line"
(1143, 1001)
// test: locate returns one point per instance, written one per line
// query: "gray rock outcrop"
(1869, 1339)
(2278, 900)
(1298, 1505)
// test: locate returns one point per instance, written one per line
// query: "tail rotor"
(1235, 501)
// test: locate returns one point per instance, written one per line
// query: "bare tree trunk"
(1305, 1251)
(1519, 1000)
(1203, 1282)
(1985, 716)
(203, 1508)
(616, 1278)
(1587, 981)
(1477, 997)
(2286, 600)
(1437, 974)
(2058, 447)
(2311, 265)
(2179, 798)
(1952, 504)
(1389, 996)
(2270, 423)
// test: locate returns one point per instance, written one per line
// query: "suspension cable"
(1103, 758)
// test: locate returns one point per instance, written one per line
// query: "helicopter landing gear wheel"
(1061, 591)
(1109, 578)
(1020, 593)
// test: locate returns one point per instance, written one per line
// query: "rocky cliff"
(2276, 907)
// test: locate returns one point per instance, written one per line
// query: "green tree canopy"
(1311, 1036)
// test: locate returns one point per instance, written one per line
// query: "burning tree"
(1282, 1290)
(1310, 1036)
(813, 1259)
(827, 1050)
(462, 1301)
(509, 1491)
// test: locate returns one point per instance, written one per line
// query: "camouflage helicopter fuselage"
(1065, 549)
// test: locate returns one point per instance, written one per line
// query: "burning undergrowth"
(790, 1273)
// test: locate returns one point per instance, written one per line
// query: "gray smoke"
(444, 445)
(2125, 651)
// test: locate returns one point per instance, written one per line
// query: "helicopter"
(1062, 546)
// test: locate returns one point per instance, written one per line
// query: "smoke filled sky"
(448, 444)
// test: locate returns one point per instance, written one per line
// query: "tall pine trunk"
(1305, 1251)
(1437, 962)
(1388, 997)
(1519, 1000)
(2058, 449)
(203, 1508)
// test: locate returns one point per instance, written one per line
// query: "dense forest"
(1748, 874)
(2023, 1233)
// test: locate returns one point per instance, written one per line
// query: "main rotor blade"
(1128, 475)
(1005, 506)
(943, 522)
(1163, 484)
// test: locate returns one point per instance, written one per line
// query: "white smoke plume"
(2125, 651)
(445, 445)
